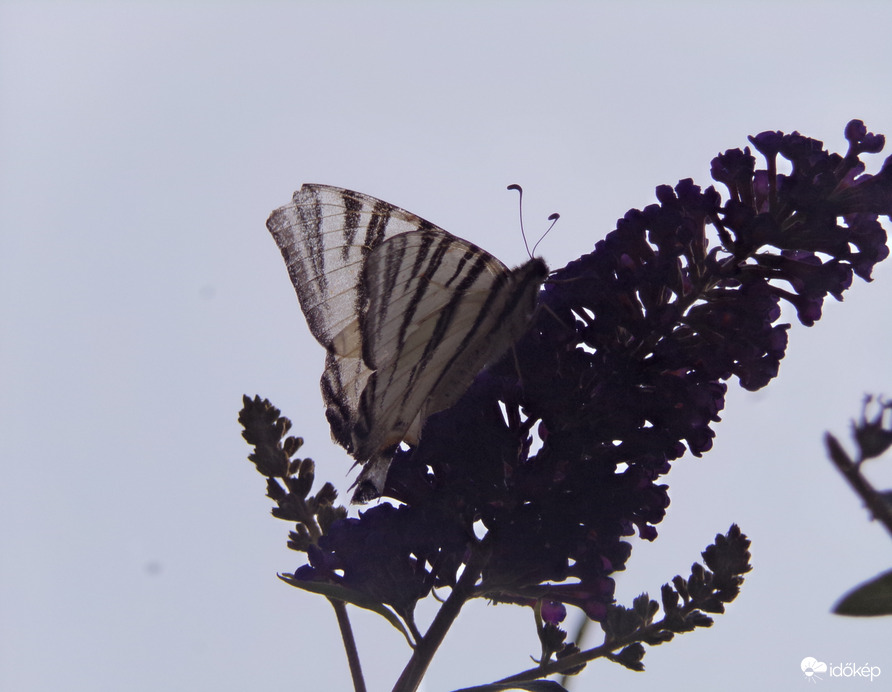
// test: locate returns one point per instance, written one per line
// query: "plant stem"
(463, 590)
(340, 609)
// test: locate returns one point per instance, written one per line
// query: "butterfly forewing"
(408, 313)
(325, 235)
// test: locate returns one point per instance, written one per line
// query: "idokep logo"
(815, 670)
(812, 668)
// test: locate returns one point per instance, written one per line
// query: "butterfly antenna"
(553, 218)
(520, 210)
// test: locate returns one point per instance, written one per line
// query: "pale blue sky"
(142, 147)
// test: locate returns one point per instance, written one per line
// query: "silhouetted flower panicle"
(623, 370)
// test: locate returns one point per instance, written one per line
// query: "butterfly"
(408, 313)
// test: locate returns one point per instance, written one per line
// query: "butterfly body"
(409, 314)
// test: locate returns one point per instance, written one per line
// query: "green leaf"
(357, 598)
(532, 686)
(871, 598)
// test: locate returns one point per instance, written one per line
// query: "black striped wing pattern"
(408, 313)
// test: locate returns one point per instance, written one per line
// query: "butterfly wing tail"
(370, 483)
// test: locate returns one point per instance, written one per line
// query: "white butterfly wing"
(408, 313)
(325, 236)
(440, 309)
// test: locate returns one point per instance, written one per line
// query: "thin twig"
(643, 634)
(851, 472)
(578, 641)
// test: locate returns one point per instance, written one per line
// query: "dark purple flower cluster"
(623, 370)
(388, 554)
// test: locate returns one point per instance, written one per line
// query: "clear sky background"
(142, 147)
